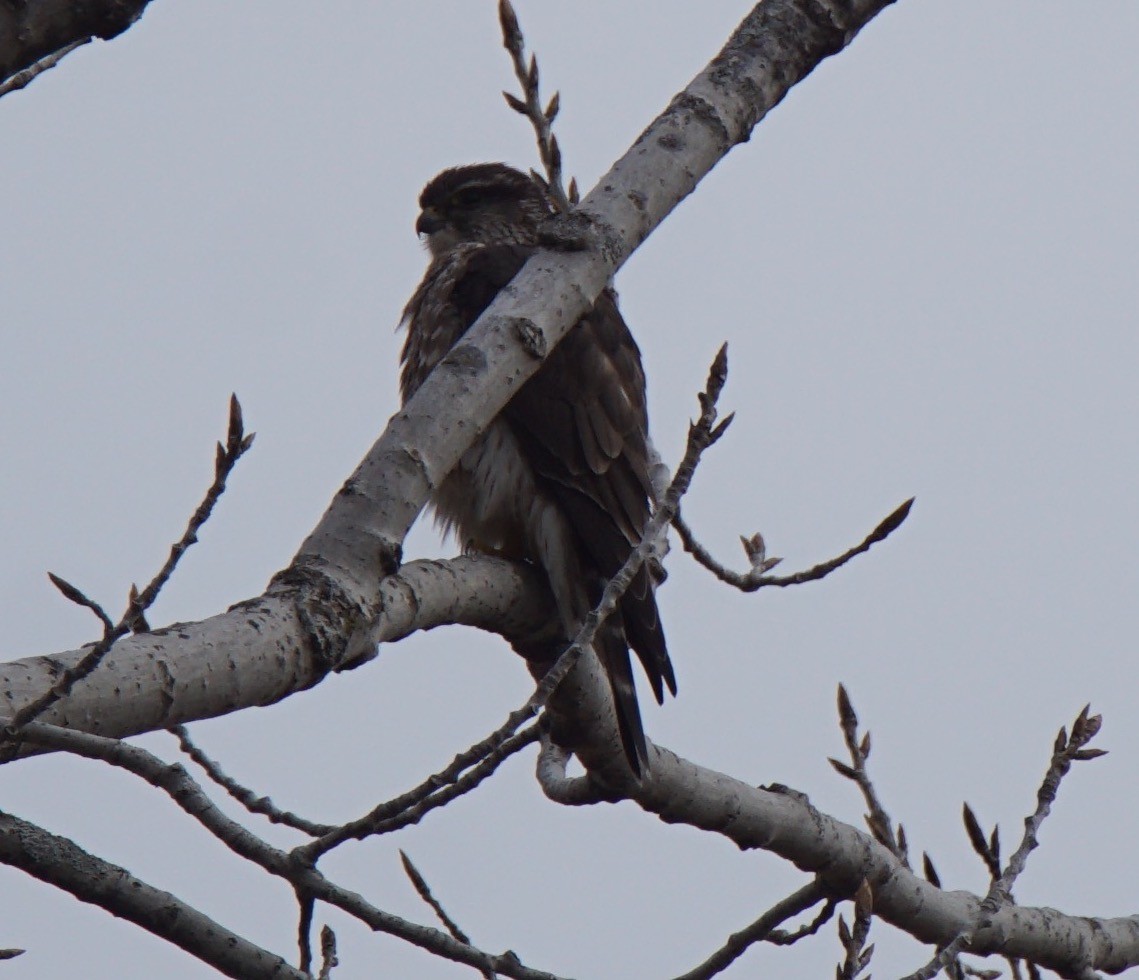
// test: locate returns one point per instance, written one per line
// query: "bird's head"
(484, 202)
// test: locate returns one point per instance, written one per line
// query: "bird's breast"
(487, 498)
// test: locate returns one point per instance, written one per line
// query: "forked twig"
(765, 929)
(441, 787)
(757, 578)
(432, 793)
(1066, 750)
(236, 445)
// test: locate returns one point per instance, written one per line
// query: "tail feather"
(645, 634)
(614, 654)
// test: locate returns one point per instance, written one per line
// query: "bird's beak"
(429, 222)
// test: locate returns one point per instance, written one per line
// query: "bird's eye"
(467, 197)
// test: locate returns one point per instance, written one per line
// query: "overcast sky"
(924, 263)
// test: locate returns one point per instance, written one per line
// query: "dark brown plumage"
(561, 477)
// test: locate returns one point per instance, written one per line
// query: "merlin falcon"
(561, 477)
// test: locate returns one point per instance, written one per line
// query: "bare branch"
(784, 822)
(60, 862)
(434, 792)
(265, 652)
(246, 797)
(756, 578)
(305, 879)
(762, 929)
(237, 443)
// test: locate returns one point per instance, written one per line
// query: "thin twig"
(757, 578)
(762, 929)
(410, 808)
(246, 797)
(878, 820)
(424, 891)
(74, 594)
(783, 937)
(378, 819)
(236, 445)
(24, 78)
(530, 106)
(1065, 751)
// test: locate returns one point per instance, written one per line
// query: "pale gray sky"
(925, 265)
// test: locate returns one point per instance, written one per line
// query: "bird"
(562, 477)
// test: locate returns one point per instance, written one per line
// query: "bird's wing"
(583, 422)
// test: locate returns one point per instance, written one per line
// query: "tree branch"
(160, 679)
(60, 862)
(38, 31)
(762, 928)
(756, 577)
(306, 880)
(784, 822)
